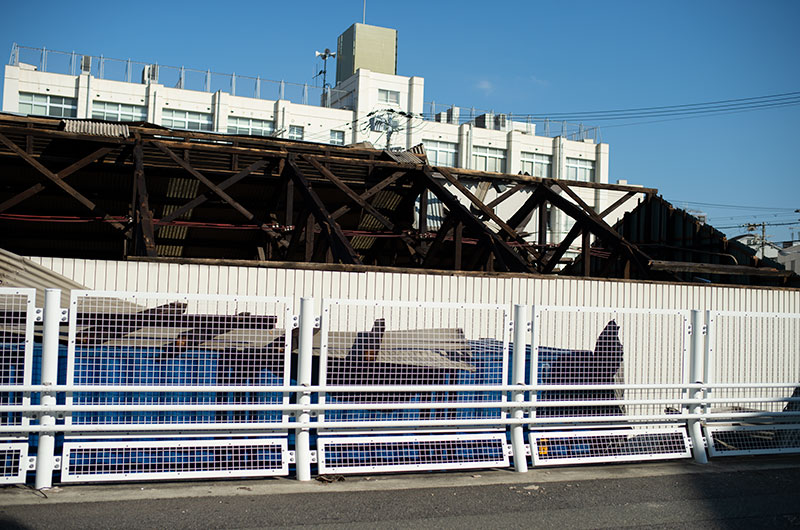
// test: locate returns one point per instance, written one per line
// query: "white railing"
(178, 386)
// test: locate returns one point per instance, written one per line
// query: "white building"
(366, 105)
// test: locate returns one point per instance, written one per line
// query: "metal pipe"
(45, 459)
(304, 368)
(518, 367)
(696, 375)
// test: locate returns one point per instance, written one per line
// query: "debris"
(327, 479)
(533, 487)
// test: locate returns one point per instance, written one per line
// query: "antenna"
(327, 54)
(364, 17)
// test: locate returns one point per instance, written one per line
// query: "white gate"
(176, 345)
(17, 317)
(417, 345)
(648, 350)
(756, 357)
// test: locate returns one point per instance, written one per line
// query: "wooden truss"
(158, 192)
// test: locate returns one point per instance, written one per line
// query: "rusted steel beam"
(145, 217)
(61, 175)
(72, 192)
(340, 247)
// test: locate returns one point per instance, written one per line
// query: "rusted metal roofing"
(97, 128)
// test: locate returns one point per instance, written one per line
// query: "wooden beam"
(619, 202)
(508, 193)
(458, 241)
(587, 253)
(562, 248)
(342, 250)
(598, 227)
(374, 190)
(72, 192)
(202, 178)
(225, 184)
(473, 223)
(715, 268)
(325, 172)
(61, 175)
(145, 217)
(441, 235)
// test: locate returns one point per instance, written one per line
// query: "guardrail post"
(304, 358)
(518, 367)
(697, 357)
(45, 459)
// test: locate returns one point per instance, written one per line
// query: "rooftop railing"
(130, 71)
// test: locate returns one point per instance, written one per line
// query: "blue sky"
(520, 57)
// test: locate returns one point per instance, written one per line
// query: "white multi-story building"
(369, 103)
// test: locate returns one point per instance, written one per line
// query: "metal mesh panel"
(129, 339)
(13, 462)
(597, 346)
(411, 453)
(575, 447)
(101, 461)
(754, 348)
(753, 439)
(16, 349)
(401, 343)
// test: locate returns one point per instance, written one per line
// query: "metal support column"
(696, 375)
(45, 460)
(304, 358)
(521, 327)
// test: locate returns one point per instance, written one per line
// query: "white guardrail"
(146, 386)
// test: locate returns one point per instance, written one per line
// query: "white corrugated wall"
(223, 279)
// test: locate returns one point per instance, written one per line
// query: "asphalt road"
(752, 494)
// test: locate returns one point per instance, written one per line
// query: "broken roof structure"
(126, 191)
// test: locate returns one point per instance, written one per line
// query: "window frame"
(250, 126)
(190, 117)
(436, 149)
(47, 102)
(293, 129)
(531, 163)
(491, 156)
(135, 113)
(584, 170)
(338, 140)
(385, 96)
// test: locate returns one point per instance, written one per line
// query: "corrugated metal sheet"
(97, 128)
(16, 271)
(466, 288)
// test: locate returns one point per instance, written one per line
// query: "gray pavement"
(736, 493)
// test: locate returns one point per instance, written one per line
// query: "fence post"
(45, 460)
(304, 358)
(518, 367)
(696, 376)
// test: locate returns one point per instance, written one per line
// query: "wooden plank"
(72, 192)
(340, 246)
(562, 248)
(619, 202)
(458, 240)
(61, 175)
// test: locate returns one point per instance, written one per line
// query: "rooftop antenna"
(327, 54)
(364, 16)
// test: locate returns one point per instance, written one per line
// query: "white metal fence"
(157, 386)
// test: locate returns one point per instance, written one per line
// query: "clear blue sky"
(522, 57)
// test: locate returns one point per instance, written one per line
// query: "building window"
(441, 153)
(102, 110)
(391, 97)
(47, 105)
(489, 159)
(295, 132)
(250, 126)
(337, 137)
(182, 119)
(579, 169)
(536, 165)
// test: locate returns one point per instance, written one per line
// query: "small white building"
(366, 105)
